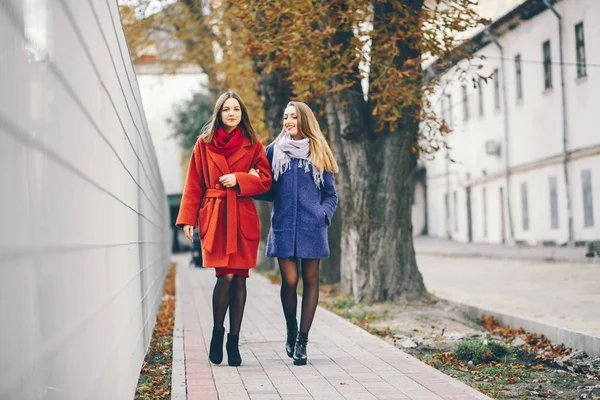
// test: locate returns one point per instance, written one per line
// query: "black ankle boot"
(292, 333)
(216, 346)
(300, 349)
(234, 358)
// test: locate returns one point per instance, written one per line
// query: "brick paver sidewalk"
(345, 362)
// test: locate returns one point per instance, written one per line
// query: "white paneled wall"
(84, 235)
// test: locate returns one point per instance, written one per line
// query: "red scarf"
(224, 143)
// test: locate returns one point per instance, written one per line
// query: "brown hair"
(210, 128)
(320, 153)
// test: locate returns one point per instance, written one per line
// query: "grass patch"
(564, 379)
(426, 358)
(504, 374)
(490, 390)
(154, 382)
(343, 304)
(481, 351)
(362, 315)
(348, 309)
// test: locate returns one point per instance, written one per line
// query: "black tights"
(229, 292)
(310, 295)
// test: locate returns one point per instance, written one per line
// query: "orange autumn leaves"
(379, 44)
(155, 377)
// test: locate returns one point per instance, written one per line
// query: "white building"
(526, 167)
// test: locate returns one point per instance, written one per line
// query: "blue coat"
(301, 212)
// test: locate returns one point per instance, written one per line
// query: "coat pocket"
(248, 220)
(324, 217)
(204, 216)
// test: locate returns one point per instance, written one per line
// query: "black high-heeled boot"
(300, 349)
(234, 358)
(215, 354)
(292, 333)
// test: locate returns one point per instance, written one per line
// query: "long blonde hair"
(321, 155)
(212, 125)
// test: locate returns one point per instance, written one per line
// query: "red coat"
(226, 218)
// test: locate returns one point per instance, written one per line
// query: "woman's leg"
(289, 300)
(237, 302)
(220, 305)
(289, 283)
(310, 293)
(221, 299)
(310, 299)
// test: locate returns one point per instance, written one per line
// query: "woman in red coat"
(216, 198)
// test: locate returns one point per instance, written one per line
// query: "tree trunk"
(378, 259)
(393, 271)
(331, 267)
(275, 92)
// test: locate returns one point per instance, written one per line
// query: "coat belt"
(231, 217)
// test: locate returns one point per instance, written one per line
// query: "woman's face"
(290, 122)
(231, 114)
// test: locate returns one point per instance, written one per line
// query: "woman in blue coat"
(304, 199)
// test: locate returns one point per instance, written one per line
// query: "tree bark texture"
(330, 268)
(376, 174)
(275, 92)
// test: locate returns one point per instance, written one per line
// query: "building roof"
(506, 23)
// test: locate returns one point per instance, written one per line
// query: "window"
(547, 65)
(484, 201)
(553, 203)
(524, 207)
(480, 92)
(465, 101)
(496, 89)
(455, 198)
(580, 48)
(588, 203)
(519, 76)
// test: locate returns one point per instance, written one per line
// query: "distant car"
(593, 249)
(196, 251)
(182, 241)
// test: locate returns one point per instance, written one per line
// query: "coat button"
(217, 186)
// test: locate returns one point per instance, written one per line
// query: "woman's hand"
(254, 172)
(228, 180)
(189, 232)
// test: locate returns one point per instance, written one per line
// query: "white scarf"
(285, 149)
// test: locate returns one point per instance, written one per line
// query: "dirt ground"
(501, 362)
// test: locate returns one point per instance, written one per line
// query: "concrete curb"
(557, 334)
(508, 256)
(178, 384)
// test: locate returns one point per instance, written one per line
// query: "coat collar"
(225, 164)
